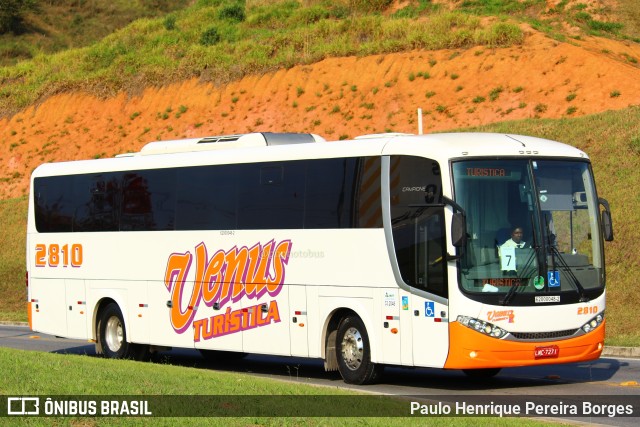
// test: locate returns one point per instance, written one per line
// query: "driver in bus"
(507, 251)
(516, 240)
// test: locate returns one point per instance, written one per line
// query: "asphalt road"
(613, 378)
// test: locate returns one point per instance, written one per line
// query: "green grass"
(222, 40)
(58, 25)
(12, 259)
(199, 43)
(33, 373)
(628, 12)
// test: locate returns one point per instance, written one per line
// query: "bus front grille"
(539, 336)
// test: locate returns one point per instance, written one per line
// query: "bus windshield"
(533, 231)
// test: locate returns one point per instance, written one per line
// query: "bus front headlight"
(593, 323)
(482, 326)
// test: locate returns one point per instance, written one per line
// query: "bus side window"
(418, 223)
(271, 195)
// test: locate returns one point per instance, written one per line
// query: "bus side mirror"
(459, 230)
(607, 224)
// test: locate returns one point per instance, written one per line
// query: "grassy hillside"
(221, 41)
(12, 259)
(56, 25)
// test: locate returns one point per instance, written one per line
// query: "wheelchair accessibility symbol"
(553, 278)
(429, 309)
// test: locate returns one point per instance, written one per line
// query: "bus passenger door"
(430, 332)
(428, 306)
(416, 222)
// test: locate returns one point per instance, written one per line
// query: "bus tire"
(481, 373)
(353, 351)
(112, 337)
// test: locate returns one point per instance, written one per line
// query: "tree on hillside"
(12, 13)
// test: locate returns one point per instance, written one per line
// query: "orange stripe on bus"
(29, 315)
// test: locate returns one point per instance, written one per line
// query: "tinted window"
(417, 220)
(271, 195)
(148, 200)
(329, 193)
(322, 193)
(207, 198)
(54, 204)
(96, 200)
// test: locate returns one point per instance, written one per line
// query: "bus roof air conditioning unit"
(256, 139)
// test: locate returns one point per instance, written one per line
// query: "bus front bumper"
(469, 349)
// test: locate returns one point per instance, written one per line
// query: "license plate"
(550, 352)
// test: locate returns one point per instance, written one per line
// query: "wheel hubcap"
(113, 334)
(352, 349)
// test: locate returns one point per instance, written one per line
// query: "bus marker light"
(301, 325)
(473, 355)
(394, 330)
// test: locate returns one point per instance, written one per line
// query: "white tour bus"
(386, 250)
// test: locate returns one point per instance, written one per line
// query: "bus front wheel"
(354, 353)
(112, 337)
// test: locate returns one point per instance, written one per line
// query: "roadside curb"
(631, 352)
(12, 323)
(609, 351)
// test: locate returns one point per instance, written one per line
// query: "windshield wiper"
(555, 253)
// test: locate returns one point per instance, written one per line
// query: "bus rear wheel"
(112, 337)
(354, 353)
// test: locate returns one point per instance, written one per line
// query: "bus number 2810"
(55, 255)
